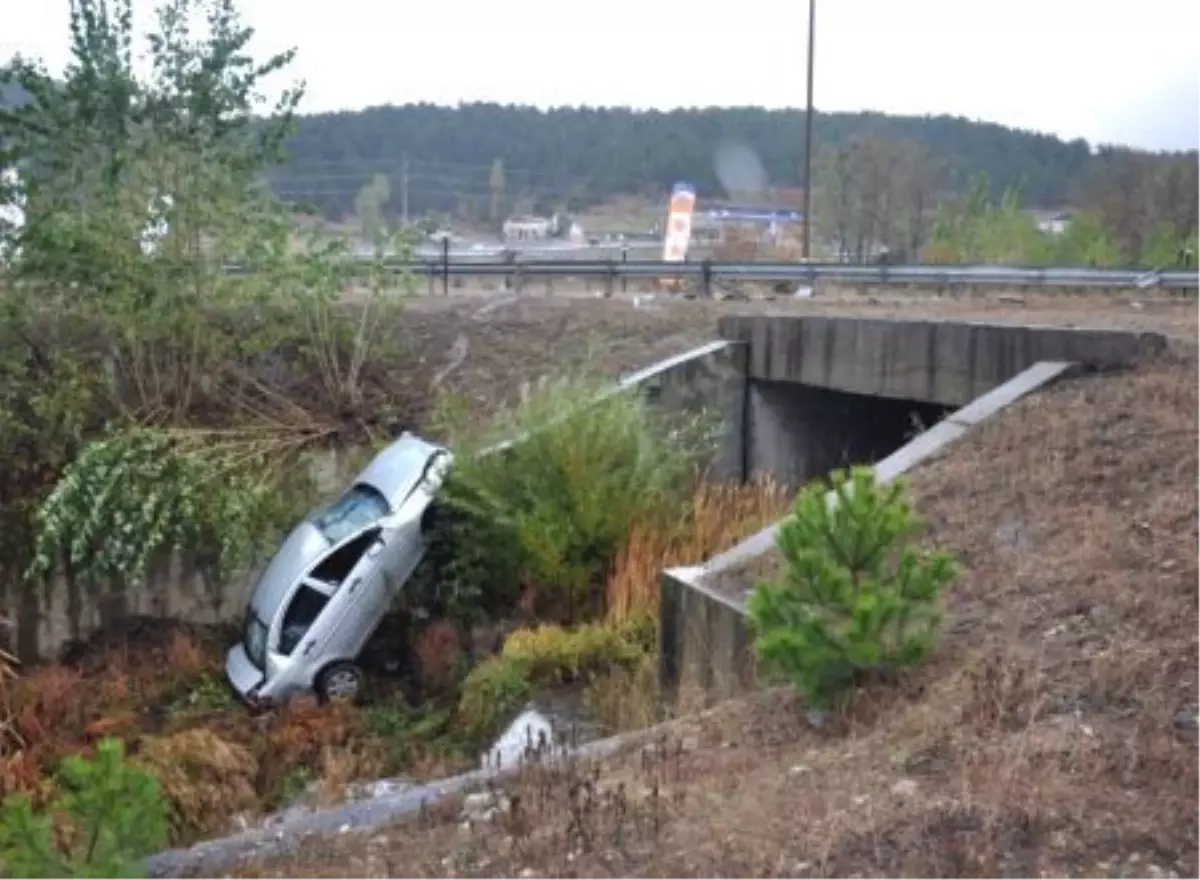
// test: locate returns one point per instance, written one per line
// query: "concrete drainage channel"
(955, 374)
(402, 801)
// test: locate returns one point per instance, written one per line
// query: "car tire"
(342, 680)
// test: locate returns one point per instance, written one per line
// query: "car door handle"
(354, 585)
(309, 647)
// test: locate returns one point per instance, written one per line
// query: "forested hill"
(590, 154)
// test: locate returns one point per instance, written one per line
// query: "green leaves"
(109, 816)
(855, 596)
(132, 498)
(551, 511)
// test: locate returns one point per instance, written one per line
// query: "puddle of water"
(549, 723)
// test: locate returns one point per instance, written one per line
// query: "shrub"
(108, 814)
(551, 654)
(204, 778)
(492, 692)
(546, 656)
(855, 596)
(553, 510)
(439, 656)
(299, 734)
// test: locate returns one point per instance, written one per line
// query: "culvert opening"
(802, 432)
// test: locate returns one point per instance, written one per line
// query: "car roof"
(397, 469)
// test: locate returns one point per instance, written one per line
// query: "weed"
(208, 695)
(204, 778)
(716, 518)
(493, 691)
(439, 655)
(296, 784)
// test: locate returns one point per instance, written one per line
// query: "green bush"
(554, 655)
(546, 656)
(551, 511)
(113, 815)
(492, 693)
(856, 597)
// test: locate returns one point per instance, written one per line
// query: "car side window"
(306, 605)
(336, 567)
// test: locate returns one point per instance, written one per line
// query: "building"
(769, 224)
(1052, 222)
(521, 227)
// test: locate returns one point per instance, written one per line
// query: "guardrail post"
(445, 267)
(610, 281)
(624, 260)
(706, 275)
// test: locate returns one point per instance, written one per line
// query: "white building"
(527, 228)
(1052, 222)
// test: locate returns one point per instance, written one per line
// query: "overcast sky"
(1126, 72)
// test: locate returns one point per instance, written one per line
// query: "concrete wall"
(949, 363)
(709, 377)
(47, 618)
(705, 647)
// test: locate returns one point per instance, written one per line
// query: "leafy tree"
(855, 597)
(129, 500)
(369, 206)
(101, 336)
(110, 816)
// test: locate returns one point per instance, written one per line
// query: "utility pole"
(808, 126)
(404, 189)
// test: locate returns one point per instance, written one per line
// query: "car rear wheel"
(340, 681)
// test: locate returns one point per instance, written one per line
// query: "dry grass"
(718, 517)
(1053, 733)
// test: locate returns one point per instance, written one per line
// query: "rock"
(1184, 720)
(904, 788)
(1011, 298)
(816, 718)
(799, 770)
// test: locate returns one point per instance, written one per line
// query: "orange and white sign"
(679, 223)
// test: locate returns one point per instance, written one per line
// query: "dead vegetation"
(1054, 732)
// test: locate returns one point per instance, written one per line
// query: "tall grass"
(553, 510)
(717, 517)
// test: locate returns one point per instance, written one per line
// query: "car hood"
(303, 547)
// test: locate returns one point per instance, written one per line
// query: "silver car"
(333, 579)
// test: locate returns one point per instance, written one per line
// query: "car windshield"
(254, 640)
(351, 513)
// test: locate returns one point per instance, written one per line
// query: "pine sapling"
(856, 595)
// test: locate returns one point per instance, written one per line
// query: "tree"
(115, 816)
(100, 337)
(496, 185)
(369, 206)
(856, 597)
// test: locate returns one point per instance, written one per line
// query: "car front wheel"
(340, 681)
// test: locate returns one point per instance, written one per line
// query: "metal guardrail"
(709, 271)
